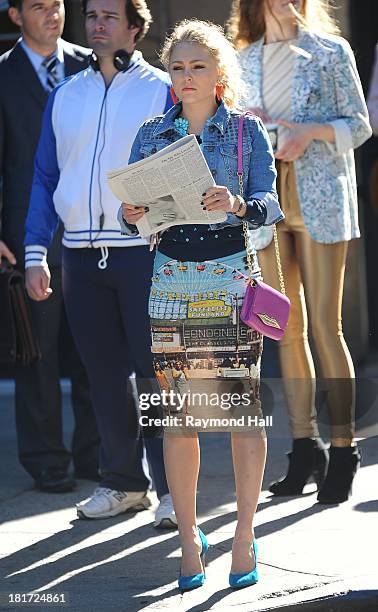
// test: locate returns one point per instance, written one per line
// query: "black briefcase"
(18, 340)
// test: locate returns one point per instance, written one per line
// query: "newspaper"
(170, 183)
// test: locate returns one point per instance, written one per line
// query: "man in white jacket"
(88, 128)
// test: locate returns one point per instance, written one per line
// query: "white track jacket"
(88, 129)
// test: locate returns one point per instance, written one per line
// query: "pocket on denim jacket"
(229, 155)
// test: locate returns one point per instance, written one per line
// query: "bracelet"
(241, 204)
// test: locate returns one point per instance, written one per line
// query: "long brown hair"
(247, 21)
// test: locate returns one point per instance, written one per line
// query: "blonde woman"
(303, 78)
(209, 260)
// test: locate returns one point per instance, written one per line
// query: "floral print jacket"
(325, 88)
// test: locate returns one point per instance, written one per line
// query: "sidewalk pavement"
(311, 557)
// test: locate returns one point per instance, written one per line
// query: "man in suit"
(28, 72)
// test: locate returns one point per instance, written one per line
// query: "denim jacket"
(219, 146)
(326, 89)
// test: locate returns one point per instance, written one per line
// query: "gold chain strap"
(278, 260)
(251, 253)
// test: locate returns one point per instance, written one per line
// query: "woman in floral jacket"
(302, 79)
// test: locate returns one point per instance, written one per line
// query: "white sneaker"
(165, 517)
(109, 502)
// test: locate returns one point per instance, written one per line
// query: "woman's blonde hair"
(247, 22)
(212, 38)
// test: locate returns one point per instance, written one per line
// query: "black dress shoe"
(343, 465)
(55, 480)
(308, 458)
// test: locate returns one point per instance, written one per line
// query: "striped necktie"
(52, 79)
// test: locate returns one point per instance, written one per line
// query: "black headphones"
(121, 60)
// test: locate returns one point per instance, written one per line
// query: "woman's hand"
(259, 112)
(301, 135)
(132, 214)
(219, 198)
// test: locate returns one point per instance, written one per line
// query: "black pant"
(108, 314)
(38, 397)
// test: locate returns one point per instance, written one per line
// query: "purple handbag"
(264, 309)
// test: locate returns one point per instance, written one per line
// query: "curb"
(353, 601)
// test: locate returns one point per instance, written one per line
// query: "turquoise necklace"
(182, 126)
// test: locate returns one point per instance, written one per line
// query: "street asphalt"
(312, 558)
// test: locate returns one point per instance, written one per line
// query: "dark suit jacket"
(22, 102)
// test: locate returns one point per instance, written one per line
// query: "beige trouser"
(314, 278)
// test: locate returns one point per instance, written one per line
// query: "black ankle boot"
(343, 465)
(308, 458)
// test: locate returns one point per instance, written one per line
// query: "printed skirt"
(207, 362)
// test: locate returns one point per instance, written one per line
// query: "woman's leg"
(307, 458)
(248, 454)
(322, 269)
(323, 274)
(297, 366)
(182, 461)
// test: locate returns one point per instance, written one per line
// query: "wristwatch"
(241, 204)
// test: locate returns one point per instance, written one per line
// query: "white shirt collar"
(37, 59)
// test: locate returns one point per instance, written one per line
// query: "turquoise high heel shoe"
(187, 583)
(238, 581)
